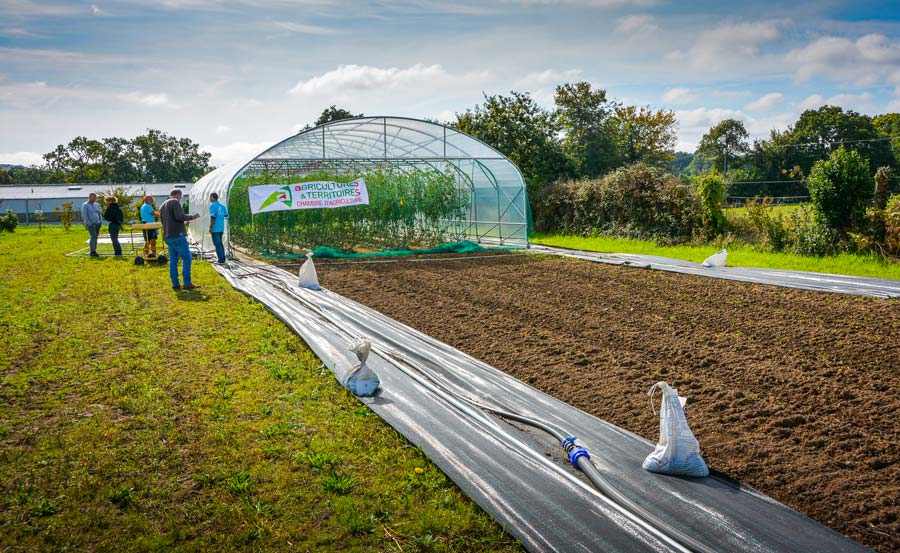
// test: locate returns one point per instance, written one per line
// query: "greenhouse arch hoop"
(497, 212)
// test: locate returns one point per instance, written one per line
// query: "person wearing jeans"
(90, 216)
(217, 215)
(115, 217)
(173, 218)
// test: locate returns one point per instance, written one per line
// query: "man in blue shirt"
(217, 215)
(90, 216)
(149, 215)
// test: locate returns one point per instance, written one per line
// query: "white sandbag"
(717, 259)
(308, 277)
(678, 451)
(362, 381)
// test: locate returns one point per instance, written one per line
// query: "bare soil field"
(792, 392)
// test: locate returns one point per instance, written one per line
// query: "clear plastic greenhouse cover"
(497, 207)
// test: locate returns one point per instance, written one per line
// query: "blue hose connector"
(575, 451)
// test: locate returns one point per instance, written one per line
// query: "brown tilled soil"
(792, 392)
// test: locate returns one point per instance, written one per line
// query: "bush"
(637, 201)
(892, 226)
(840, 189)
(66, 215)
(769, 228)
(811, 235)
(9, 222)
(711, 190)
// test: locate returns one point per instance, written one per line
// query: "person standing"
(149, 215)
(115, 218)
(217, 215)
(90, 216)
(175, 236)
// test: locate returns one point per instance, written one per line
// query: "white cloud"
(96, 10)
(366, 77)
(706, 117)
(222, 155)
(305, 29)
(693, 123)
(637, 24)
(678, 96)
(222, 129)
(149, 100)
(858, 102)
(867, 61)
(549, 77)
(22, 158)
(730, 43)
(16, 32)
(893, 106)
(445, 116)
(245, 103)
(30, 8)
(812, 102)
(766, 102)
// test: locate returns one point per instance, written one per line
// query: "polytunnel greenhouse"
(428, 184)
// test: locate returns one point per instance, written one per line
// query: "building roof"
(75, 191)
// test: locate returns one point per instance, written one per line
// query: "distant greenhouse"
(25, 199)
(427, 183)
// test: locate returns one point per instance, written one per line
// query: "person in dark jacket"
(173, 218)
(115, 218)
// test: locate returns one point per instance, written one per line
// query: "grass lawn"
(738, 255)
(133, 418)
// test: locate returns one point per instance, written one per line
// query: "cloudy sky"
(237, 75)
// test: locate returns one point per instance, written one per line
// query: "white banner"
(307, 195)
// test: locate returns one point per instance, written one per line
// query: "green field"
(738, 255)
(134, 418)
(784, 210)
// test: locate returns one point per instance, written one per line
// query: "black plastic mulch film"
(519, 474)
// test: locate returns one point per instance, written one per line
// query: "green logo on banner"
(282, 195)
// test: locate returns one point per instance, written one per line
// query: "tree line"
(781, 165)
(151, 157)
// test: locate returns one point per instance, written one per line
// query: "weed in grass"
(426, 541)
(121, 496)
(206, 480)
(363, 412)
(272, 451)
(317, 460)
(22, 495)
(357, 523)
(278, 429)
(238, 483)
(258, 508)
(219, 412)
(267, 410)
(254, 535)
(43, 508)
(278, 372)
(221, 386)
(339, 484)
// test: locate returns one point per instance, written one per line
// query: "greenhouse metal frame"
(497, 212)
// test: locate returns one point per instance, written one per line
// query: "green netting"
(327, 252)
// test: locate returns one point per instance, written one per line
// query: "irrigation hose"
(580, 459)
